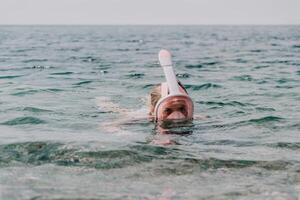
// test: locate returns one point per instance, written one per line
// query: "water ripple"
(23, 93)
(62, 73)
(39, 153)
(35, 60)
(286, 145)
(203, 86)
(34, 91)
(23, 120)
(183, 75)
(135, 75)
(10, 77)
(194, 66)
(266, 119)
(35, 110)
(243, 78)
(296, 46)
(222, 104)
(82, 83)
(201, 65)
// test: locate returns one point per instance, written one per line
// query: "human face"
(175, 108)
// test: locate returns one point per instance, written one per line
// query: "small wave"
(33, 153)
(125, 49)
(189, 43)
(281, 81)
(213, 163)
(184, 75)
(10, 77)
(222, 104)
(35, 110)
(23, 93)
(52, 90)
(149, 86)
(257, 50)
(240, 60)
(190, 164)
(286, 80)
(284, 61)
(172, 160)
(273, 165)
(295, 126)
(286, 145)
(33, 91)
(135, 75)
(74, 49)
(42, 67)
(201, 65)
(203, 86)
(243, 78)
(210, 63)
(277, 61)
(259, 121)
(35, 60)
(112, 159)
(89, 59)
(10, 68)
(23, 120)
(158, 151)
(285, 86)
(38, 153)
(231, 142)
(21, 50)
(61, 73)
(103, 71)
(194, 66)
(261, 66)
(82, 83)
(264, 109)
(296, 46)
(261, 82)
(86, 59)
(135, 41)
(266, 119)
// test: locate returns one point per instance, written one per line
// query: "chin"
(176, 120)
(171, 123)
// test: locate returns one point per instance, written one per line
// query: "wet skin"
(175, 109)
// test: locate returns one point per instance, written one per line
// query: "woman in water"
(169, 102)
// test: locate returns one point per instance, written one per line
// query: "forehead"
(175, 102)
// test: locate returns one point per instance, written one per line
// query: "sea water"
(58, 139)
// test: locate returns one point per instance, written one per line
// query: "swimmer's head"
(166, 107)
(170, 101)
(175, 108)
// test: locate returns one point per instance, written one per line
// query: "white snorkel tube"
(165, 61)
(171, 89)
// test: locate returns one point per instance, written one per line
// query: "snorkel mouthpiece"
(165, 61)
(171, 93)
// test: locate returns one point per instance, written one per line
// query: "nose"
(176, 115)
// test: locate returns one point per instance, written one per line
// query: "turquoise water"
(54, 143)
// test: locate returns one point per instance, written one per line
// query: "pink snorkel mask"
(175, 103)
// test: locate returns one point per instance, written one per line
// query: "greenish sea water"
(54, 143)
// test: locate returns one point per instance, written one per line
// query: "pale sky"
(150, 12)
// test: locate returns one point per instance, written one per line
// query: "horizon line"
(50, 24)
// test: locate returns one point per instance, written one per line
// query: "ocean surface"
(61, 88)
